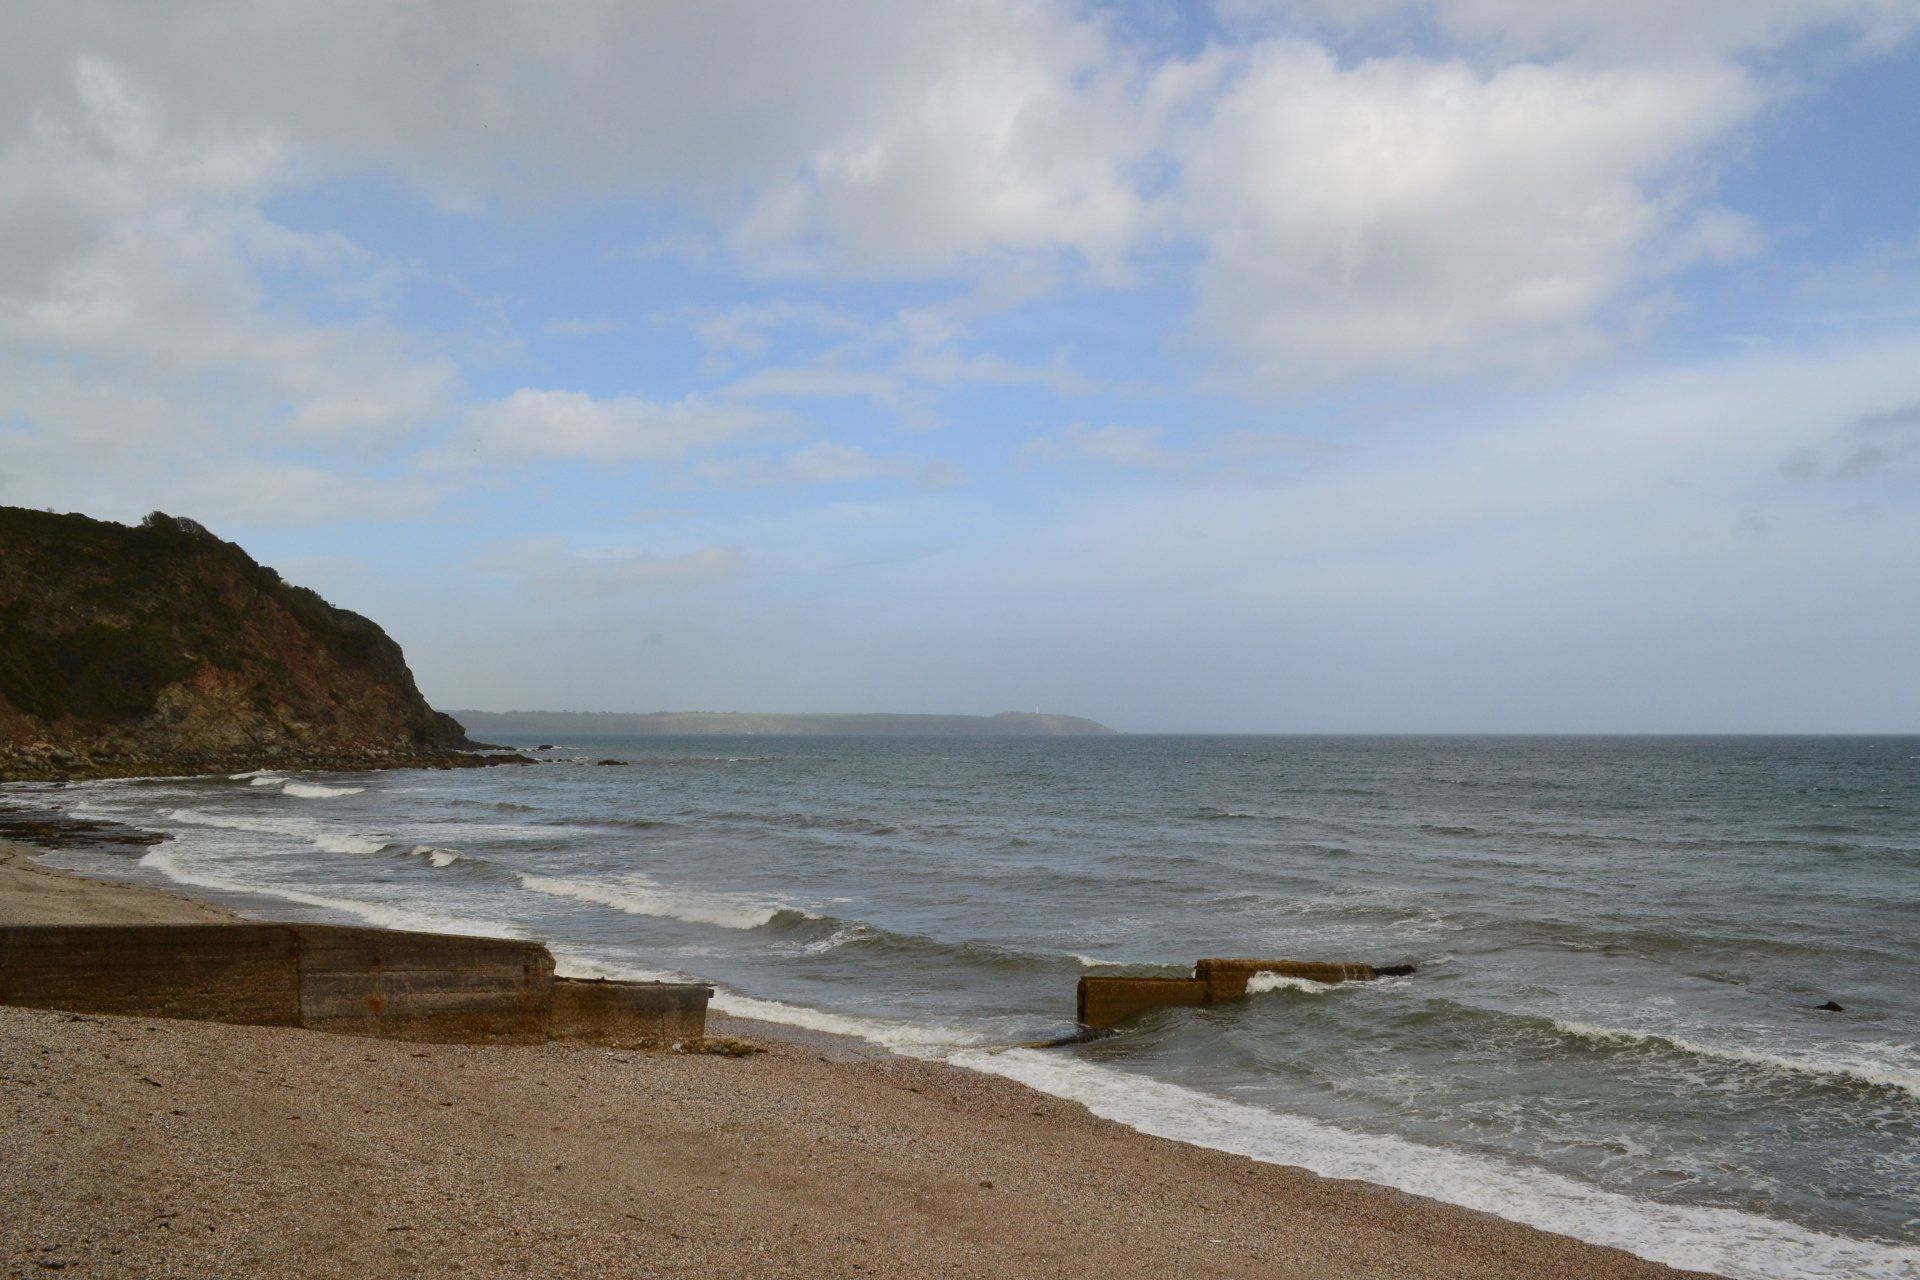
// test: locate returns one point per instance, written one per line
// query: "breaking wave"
(1260, 982)
(1879, 1075)
(314, 791)
(387, 915)
(641, 895)
(348, 844)
(320, 838)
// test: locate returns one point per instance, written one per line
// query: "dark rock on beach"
(48, 829)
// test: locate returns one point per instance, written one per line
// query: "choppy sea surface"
(1621, 942)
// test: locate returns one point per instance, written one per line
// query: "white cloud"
(825, 462)
(1413, 217)
(748, 327)
(1689, 447)
(1020, 135)
(900, 363)
(877, 136)
(1146, 448)
(1622, 29)
(139, 357)
(1114, 445)
(548, 565)
(1416, 218)
(1577, 561)
(534, 423)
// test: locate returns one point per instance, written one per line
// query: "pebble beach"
(148, 1147)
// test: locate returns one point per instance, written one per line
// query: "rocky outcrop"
(161, 648)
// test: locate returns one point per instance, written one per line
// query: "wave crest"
(1260, 982)
(1878, 1075)
(314, 790)
(642, 896)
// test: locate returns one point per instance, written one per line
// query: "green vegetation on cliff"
(1008, 724)
(161, 646)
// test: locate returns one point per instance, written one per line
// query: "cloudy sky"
(1263, 365)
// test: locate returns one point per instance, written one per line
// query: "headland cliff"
(160, 648)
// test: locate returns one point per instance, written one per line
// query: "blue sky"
(1399, 365)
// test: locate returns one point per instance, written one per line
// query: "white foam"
(905, 1038)
(315, 791)
(387, 915)
(641, 896)
(1740, 1245)
(1260, 982)
(838, 938)
(348, 844)
(321, 838)
(262, 779)
(909, 1039)
(1905, 1079)
(438, 857)
(1093, 962)
(232, 822)
(252, 773)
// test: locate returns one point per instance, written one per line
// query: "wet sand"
(147, 1147)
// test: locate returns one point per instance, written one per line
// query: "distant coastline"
(1008, 724)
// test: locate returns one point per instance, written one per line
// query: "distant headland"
(1008, 724)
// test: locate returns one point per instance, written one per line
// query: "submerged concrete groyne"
(1108, 1001)
(360, 981)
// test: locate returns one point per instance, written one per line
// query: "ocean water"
(1620, 942)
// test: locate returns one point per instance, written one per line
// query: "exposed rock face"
(161, 648)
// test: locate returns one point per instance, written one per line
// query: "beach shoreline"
(137, 1146)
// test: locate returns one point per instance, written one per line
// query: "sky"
(1255, 366)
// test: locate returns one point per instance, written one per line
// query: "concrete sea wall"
(359, 981)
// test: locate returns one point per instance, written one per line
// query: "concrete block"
(242, 973)
(627, 1015)
(356, 981)
(423, 986)
(1104, 1002)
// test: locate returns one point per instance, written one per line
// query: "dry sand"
(143, 1147)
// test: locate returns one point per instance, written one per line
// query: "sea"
(1622, 945)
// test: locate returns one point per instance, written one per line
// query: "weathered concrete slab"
(1105, 1002)
(216, 972)
(358, 981)
(423, 986)
(628, 1015)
